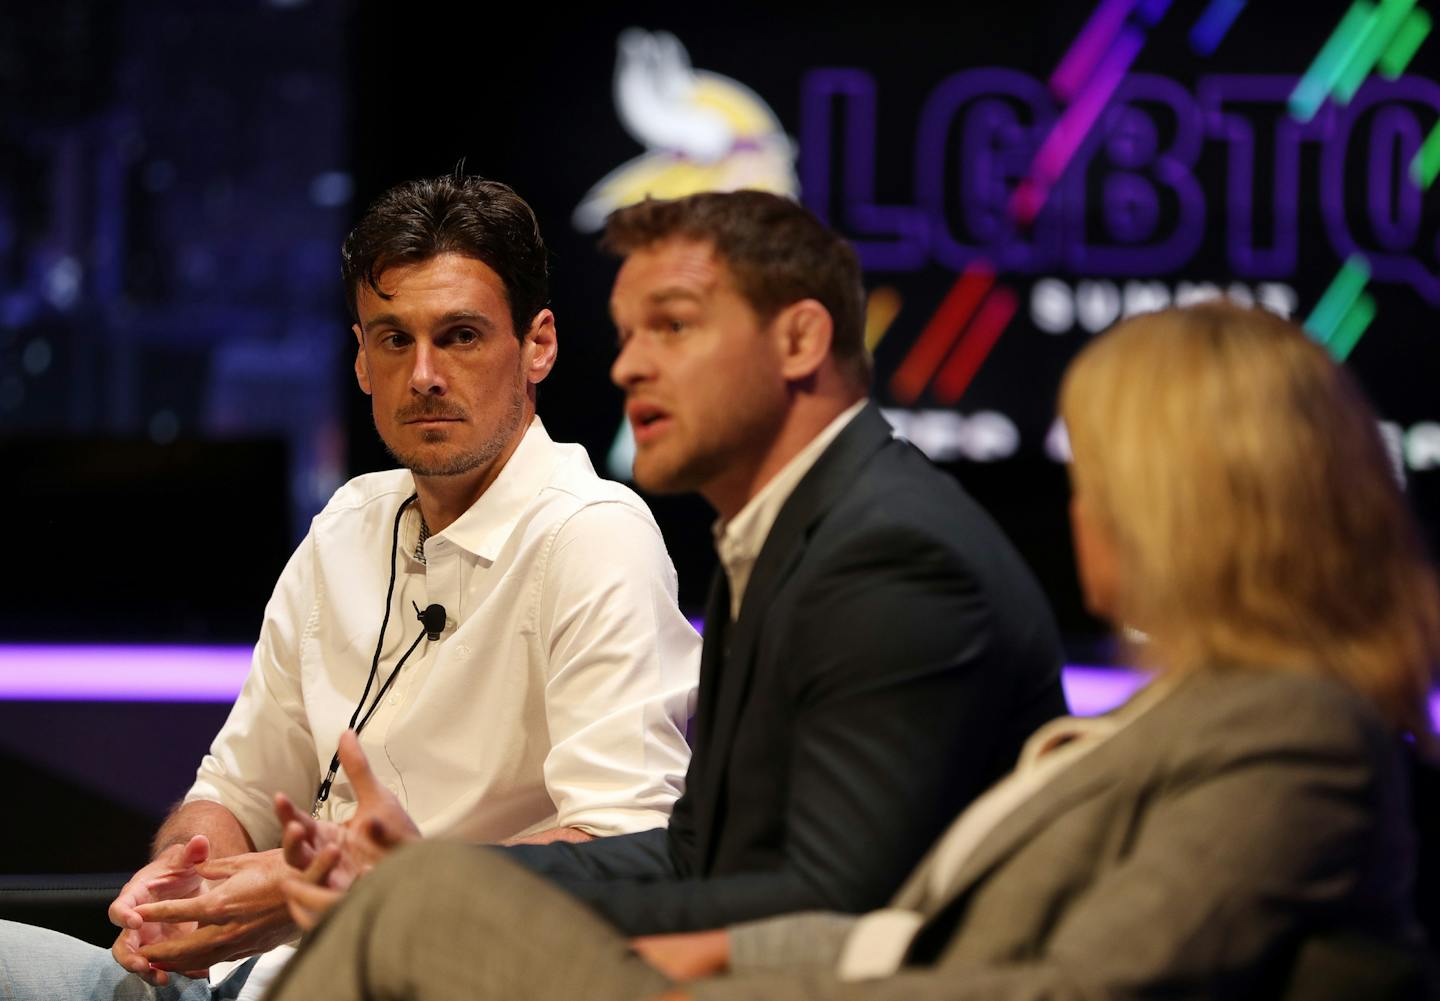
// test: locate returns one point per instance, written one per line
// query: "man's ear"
(539, 347)
(362, 367)
(803, 332)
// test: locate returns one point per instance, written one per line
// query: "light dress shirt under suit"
(738, 541)
(557, 694)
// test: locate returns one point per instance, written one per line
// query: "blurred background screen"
(176, 388)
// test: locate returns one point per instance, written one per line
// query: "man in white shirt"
(543, 693)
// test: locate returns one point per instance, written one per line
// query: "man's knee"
(420, 881)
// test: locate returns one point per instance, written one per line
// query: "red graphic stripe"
(940, 333)
(995, 315)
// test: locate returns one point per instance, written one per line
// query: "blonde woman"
(1233, 503)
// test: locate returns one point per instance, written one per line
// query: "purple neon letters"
(1168, 167)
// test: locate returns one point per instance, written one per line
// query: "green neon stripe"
(1374, 40)
(1352, 327)
(1338, 298)
(1319, 79)
(1427, 162)
(1402, 49)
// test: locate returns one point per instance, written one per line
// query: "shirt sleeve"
(266, 745)
(623, 666)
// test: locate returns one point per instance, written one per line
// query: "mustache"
(430, 409)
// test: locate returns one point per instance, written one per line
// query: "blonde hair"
(1255, 514)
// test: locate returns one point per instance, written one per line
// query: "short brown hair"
(452, 214)
(1256, 513)
(778, 252)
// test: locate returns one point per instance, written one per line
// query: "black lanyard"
(323, 793)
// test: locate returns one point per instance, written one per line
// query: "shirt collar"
(484, 528)
(738, 540)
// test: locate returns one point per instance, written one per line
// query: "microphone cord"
(323, 793)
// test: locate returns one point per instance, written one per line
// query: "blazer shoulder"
(1242, 711)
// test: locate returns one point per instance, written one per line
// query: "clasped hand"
(185, 912)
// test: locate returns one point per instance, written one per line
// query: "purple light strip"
(1092, 690)
(42, 673)
(1064, 140)
(1094, 39)
(122, 673)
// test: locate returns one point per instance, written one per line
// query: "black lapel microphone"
(432, 619)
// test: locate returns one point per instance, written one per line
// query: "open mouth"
(646, 420)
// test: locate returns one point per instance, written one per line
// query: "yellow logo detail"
(702, 132)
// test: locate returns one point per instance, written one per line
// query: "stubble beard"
(690, 466)
(460, 463)
(685, 473)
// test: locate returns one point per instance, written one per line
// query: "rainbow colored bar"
(1377, 36)
(1353, 324)
(1319, 80)
(1426, 164)
(1064, 140)
(1339, 297)
(1408, 38)
(1367, 37)
(1210, 30)
(1080, 60)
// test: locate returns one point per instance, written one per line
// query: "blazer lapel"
(731, 679)
(712, 652)
(700, 776)
(1084, 779)
(1101, 769)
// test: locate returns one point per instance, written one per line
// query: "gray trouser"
(443, 920)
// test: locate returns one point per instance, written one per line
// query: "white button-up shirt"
(557, 694)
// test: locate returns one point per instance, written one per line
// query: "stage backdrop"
(175, 354)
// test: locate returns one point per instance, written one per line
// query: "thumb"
(357, 767)
(197, 850)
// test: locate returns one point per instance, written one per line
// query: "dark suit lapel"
(699, 787)
(820, 488)
(712, 653)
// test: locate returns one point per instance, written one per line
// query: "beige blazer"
(1183, 858)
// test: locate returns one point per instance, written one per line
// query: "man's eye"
(676, 326)
(465, 335)
(395, 340)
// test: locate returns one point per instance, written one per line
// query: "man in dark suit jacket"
(885, 654)
(875, 651)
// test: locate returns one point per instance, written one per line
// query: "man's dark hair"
(452, 214)
(778, 252)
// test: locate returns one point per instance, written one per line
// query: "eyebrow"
(674, 292)
(445, 320)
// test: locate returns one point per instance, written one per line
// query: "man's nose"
(633, 364)
(427, 374)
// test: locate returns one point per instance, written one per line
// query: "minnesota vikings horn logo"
(702, 132)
